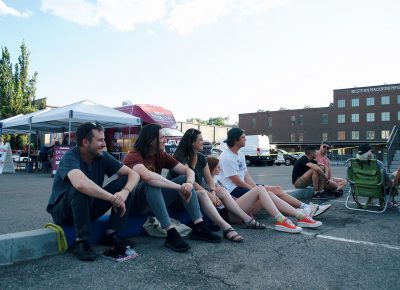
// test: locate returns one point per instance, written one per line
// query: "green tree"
(17, 89)
(217, 121)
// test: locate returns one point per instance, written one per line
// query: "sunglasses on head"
(326, 147)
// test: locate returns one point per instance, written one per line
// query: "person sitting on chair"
(365, 152)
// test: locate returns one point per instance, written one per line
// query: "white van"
(257, 151)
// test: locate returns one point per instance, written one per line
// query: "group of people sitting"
(221, 188)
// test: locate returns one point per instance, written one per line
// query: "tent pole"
(69, 127)
(29, 139)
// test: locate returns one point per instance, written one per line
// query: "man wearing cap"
(365, 152)
(236, 179)
(334, 185)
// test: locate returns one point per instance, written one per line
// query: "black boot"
(175, 242)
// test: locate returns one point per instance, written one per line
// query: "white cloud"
(125, 14)
(7, 10)
(182, 16)
(78, 11)
(185, 17)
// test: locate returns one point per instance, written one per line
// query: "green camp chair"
(366, 185)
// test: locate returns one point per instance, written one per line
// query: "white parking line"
(358, 242)
(310, 233)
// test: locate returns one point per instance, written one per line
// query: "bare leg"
(340, 182)
(255, 199)
(278, 191)
(231, 205)
(210, 211)
(283, 206)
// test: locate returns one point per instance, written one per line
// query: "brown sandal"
(235, 238)
(254, 225)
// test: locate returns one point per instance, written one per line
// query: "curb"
(35, 244)
(28, 245)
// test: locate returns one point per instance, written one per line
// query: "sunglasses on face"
(326, 147)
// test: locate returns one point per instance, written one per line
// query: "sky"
(204, 58)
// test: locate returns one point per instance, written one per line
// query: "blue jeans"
(150, 199)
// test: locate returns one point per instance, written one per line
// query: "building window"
(301, 138)
(341, 118)
(370, 135)
(370, 101)
(398, 116)
(292, 120)
(293, 137)
(270, 137)
(324, 136)
(324, 119)
(341, 103)
(301, 120)
(355, 102)
(269, 122)
(398, 99)
(341, 135)
(370, 117)
(355, 118)
(385, 134)
(385, 100)
(253, 123)
(355, 135)
(385, 116)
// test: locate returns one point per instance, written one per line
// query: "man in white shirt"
(237, 180)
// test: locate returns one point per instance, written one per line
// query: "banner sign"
(58, 153)
(6, 161)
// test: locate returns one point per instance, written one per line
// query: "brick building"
(356, 115)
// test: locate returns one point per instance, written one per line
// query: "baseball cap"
(234, 134)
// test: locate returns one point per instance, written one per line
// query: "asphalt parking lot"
(352, 250)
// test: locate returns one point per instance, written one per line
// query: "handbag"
(153, 228)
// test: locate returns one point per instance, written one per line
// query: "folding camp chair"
(367, 184)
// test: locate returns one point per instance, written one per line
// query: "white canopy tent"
(19, 123)
(68, 118)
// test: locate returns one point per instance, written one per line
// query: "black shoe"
(201, 232)
(175, 242)
(114, 240)
(320, 195)
(83, 251)
(335, 193)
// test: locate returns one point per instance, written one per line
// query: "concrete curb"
(304, 193)
(29, 245)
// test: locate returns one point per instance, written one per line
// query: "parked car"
(21, 158)
(284, 157)
(207, 148)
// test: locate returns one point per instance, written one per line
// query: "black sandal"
(256, 225)
(235, 238)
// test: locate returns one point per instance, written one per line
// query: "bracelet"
(127, 189)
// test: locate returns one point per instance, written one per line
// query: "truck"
(120, 140)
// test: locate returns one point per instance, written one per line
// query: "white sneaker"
(322, 208)
(310, 209)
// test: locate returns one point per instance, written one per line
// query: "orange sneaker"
(287, 226)
(308, 222)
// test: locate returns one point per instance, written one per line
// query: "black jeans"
(79, 209)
